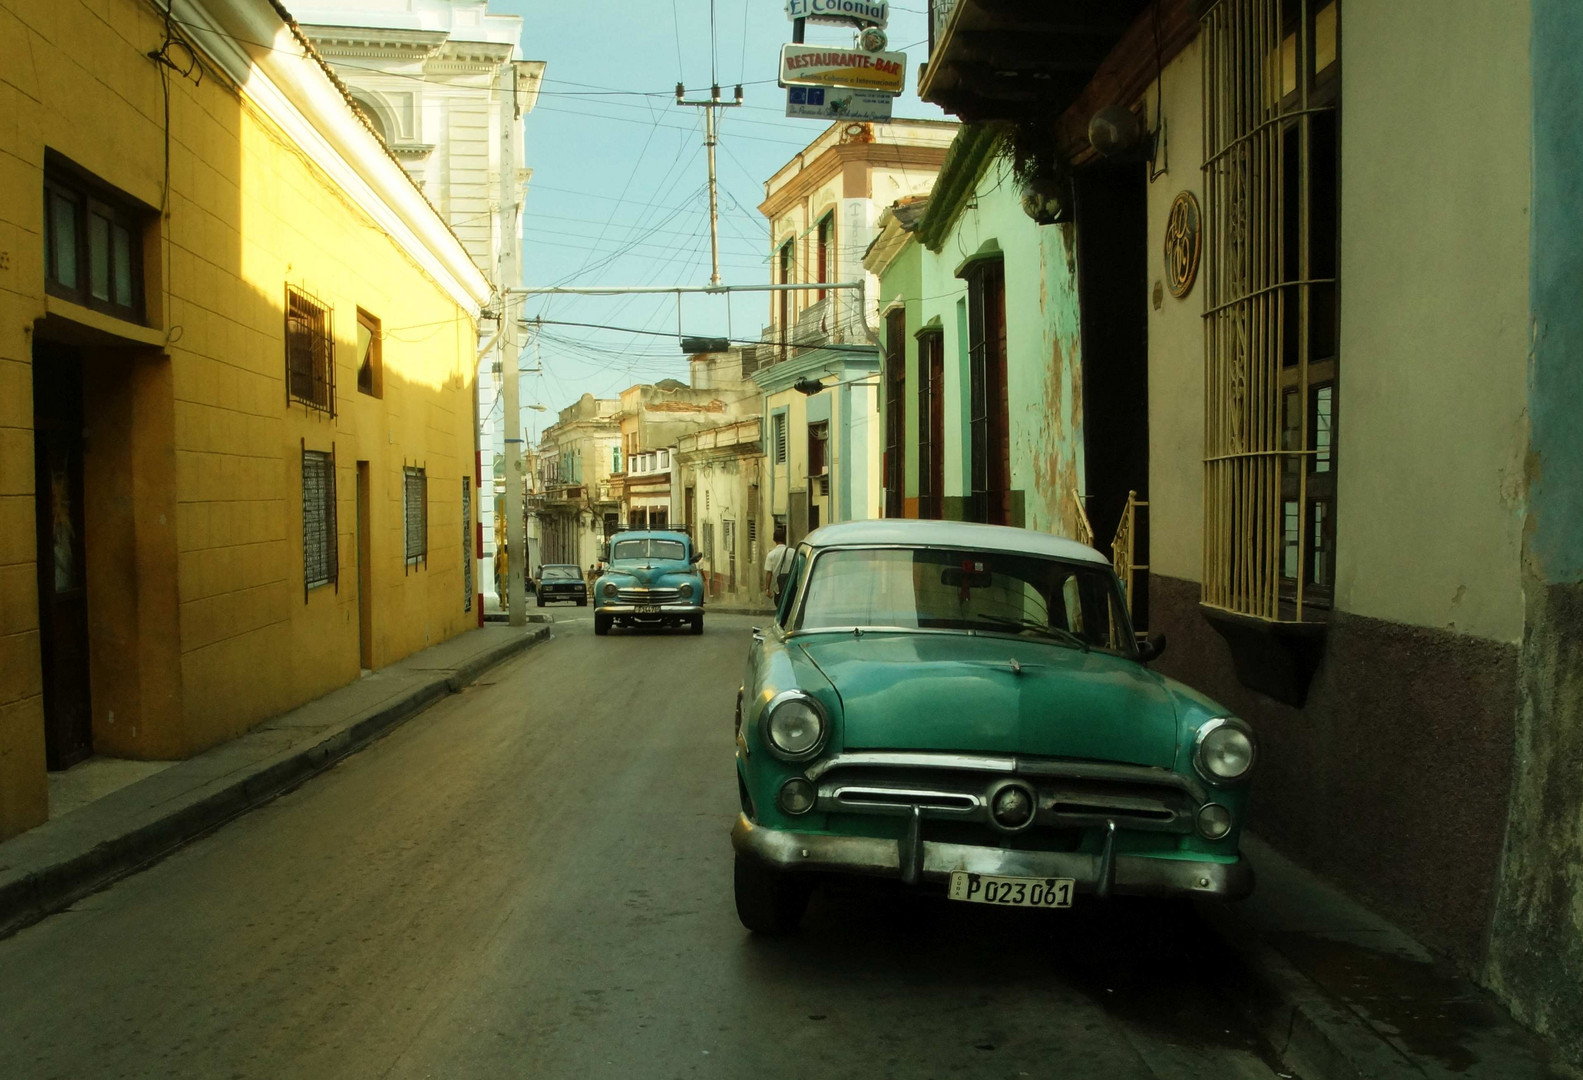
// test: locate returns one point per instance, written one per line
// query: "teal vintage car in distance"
(967, 707)
(652, 580)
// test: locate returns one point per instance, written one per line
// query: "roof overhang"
(1021, 60)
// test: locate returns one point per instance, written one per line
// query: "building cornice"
(255, 45)
(830, 163)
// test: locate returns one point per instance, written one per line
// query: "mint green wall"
(1043, 357)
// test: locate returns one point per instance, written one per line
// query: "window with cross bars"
(320, 559)
(1271, 319)
(310, 360)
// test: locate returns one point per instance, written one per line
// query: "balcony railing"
(1123, 550)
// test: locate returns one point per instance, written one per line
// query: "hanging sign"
(873, 12)
(820, 65)
(837, 103)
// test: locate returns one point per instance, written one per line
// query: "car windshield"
(648, 548)
(560, 573)
(1073, 603)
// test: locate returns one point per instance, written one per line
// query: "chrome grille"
(957, 787)
(647, 596)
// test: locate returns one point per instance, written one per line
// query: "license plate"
(648, 609)
(1012, 891)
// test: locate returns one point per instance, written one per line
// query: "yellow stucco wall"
(1176, 340)
(217, 620)
(1431, 423)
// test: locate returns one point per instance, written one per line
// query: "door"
(365, 572)
(1113, 286)
(62, 577)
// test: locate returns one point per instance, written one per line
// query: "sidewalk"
(52, 866)
(1341, 994)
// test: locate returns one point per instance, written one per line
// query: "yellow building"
(236, 387)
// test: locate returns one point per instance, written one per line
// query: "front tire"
(698, 624)
(540, 600)
(583, 602)
(768, 902)
(601, 624)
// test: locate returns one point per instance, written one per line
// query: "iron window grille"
(467, 543)
(818, 448)
(310, 360)
(93, 242)
(1271, 318)
(320, 554)
(415, 514)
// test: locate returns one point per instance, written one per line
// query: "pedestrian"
(777, 564)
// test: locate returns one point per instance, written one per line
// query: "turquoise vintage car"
(966, 707)
(652, 580)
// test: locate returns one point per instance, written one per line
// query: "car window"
(561, 573)
(649, 548)
(793, 579)
(951, 589)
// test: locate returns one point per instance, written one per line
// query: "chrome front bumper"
(660, 609)
(911, 858)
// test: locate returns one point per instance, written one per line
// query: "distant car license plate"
(1012, 891)
(648, 609)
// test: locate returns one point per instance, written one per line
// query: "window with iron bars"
(320, 558)
(310, 361)
(415, 513)
(1271, 318)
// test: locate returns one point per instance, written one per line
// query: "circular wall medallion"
(1184, 242)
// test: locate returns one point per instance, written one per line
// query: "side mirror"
(697, 557)
(1150, 647)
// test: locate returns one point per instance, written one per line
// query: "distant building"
(574, 510)
(444, 84)
(823, 206)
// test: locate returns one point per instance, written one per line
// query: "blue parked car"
(652, 580)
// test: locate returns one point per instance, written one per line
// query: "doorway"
(62, 564)
(365, 572)
(1113, 283)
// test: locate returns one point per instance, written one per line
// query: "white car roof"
(910, 532)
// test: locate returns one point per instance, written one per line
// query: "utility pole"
(711, 105)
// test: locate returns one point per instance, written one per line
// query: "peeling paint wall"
(1536, 942)
(1042, 349)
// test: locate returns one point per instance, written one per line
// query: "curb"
(35, 895)
(1316, 1036)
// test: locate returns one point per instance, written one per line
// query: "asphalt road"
(533, 878)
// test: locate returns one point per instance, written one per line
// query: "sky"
(619, 191)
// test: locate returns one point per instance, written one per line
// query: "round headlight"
(797, 795)
(1214, 821)
(610, 590)
(1224, 751)
(686, 591)
(795, 727)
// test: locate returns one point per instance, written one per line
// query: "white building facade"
(444, 83)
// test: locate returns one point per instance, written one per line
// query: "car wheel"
(540, 599)
(583, 602)
(698, 624)
(768, 901)
(601, 624)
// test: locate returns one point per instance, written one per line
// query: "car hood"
(650, 571)
(962, 692)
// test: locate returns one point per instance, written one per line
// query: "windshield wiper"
(1065, 636)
